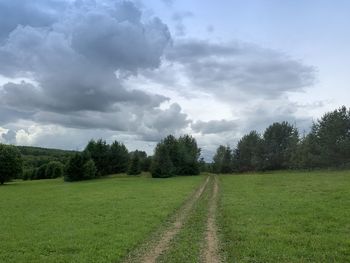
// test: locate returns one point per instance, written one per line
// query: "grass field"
(92, 221)
(271, 217)
(285, 217)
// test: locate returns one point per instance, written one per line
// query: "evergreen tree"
(188, 154)
(223, 160)
(100, 154)
(146, 164)
(249, 153)
(80, 167)
(226, 166)
(135, 165)
(280, 141)
(328, 143)
(89, 169)
(143, 159)
(118, 158)
(218, 159)
(74, 171)
(172, 146)
(162, 165)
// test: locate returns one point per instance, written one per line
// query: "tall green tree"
(135, 165)
(100, 154)
(118, 158)
(249, 153)
(145, 161)
(162, 166)
(308, 153)
(188, 155)
(80, 167)
(223, 160)
(280, 140)
(172, 146)
(146, 164)
(11, 163)
(218, 158)
(329, 140)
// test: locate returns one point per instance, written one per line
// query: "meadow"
(266, 217)
(285, 217)
(91, 221)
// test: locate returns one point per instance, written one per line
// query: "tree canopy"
(176, 157)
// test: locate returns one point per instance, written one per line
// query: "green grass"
(92, 221)
(188, 244)
(286, 217)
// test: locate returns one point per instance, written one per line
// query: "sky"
(136, 71)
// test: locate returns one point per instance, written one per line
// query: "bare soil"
(210, 253)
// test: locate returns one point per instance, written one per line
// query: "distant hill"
(33, 157)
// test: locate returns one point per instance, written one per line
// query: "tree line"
(172, 157)
(101, 159)
(327, 145)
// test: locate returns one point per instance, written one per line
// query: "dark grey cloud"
(214, 126)
(12, 115)
(78, 62)
(236, 71)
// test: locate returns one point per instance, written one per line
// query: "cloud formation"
(236, 70)
(101, 68)
(78, 61)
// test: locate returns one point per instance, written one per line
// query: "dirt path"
(211, 253)
(162, 244)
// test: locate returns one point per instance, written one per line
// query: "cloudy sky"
(135, 71)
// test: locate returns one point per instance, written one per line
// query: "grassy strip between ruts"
(286, 217)
(92, 221)
(188, 244)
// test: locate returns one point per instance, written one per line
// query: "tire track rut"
(211, 251)
(162, 243)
